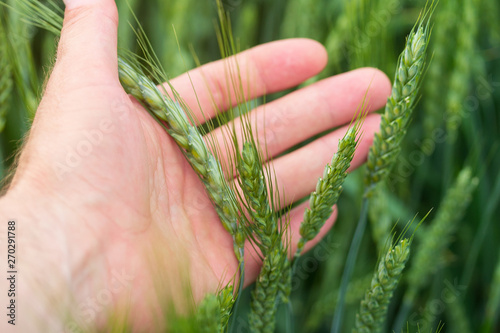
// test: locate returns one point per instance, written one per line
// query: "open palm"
(116, 185)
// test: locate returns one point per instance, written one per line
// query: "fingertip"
(290, 60)
(314, 52)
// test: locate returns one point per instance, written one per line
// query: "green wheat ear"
(191, 142)
(212, 314)
(252, 182)
(373, 308)
(329, 186)
(263, 305)
(400, 105)
(275, 275)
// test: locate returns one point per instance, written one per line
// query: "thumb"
(88, 46)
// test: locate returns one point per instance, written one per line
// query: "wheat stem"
(484, 227)
(493, 304)
(350, 262)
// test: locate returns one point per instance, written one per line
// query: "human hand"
(105, 183)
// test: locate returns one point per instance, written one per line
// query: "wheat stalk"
(493, 303)
(380, 217)
(373, 308)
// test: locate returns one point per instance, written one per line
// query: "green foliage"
(459, 81)
(5, 77)
(437, 238)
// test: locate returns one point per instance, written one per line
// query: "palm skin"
(119, 194)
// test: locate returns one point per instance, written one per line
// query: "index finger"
(261, 70)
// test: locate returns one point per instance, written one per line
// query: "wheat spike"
(275, 276)
(208, 315)
(226, 302)
(191, 141)
(373, 308)
(263, 305)
(328, 188)
(213, 312)
(253, 184)
(396, 118)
